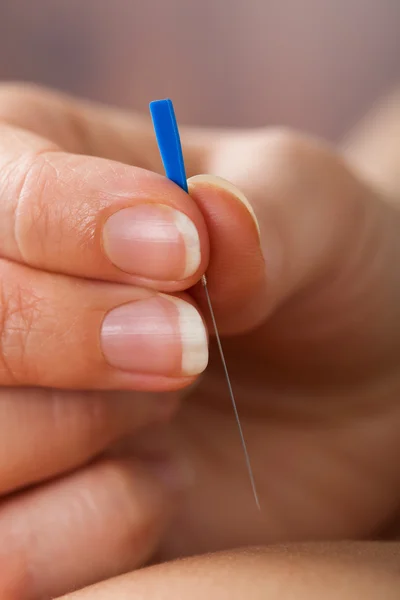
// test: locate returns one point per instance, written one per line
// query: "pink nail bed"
(161, 335)
(153, 241)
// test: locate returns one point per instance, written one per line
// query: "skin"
(143, 468)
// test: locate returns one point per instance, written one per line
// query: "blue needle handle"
(169, 143)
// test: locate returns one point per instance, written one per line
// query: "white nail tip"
(193, 338)
(191, 240)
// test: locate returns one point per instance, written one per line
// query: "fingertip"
(162, 336)
(223, 186)
(158, 238)
(109, 222)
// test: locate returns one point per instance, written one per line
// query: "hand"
(312, 347)
(296, 572)
(87, 243)
(313, 352)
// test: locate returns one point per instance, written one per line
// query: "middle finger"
(61, 332)
(95, 218)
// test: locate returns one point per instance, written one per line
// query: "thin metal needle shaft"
(231, 394)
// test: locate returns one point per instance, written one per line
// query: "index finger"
(95, 218)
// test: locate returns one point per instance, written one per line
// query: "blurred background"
(315, 65)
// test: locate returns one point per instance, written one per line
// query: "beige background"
(311, 64)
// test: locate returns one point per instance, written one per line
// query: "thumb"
(316, 222)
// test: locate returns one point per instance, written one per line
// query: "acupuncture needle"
(169, 144)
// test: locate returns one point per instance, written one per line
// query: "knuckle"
(28, 180)
(285, 139)
(279, 160)
(297, 153)
(19, 314)
(303, 169)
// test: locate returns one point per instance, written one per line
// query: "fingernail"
(153, 241)
(161, 335)
(225, 185)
